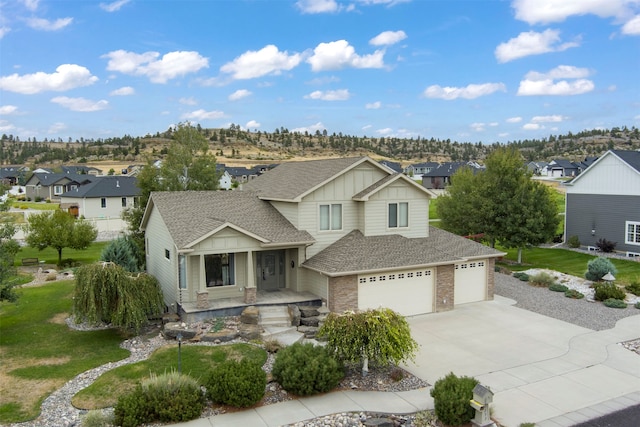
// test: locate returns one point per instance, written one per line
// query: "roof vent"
(117, 183)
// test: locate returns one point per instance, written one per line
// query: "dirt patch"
(59, 319)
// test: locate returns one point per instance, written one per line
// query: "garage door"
(407, 292)
(470, 282)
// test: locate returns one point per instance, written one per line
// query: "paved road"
(629, 417)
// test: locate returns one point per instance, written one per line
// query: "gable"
(608, 175)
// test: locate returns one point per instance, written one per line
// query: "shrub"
(522, 276)
(615, 303)
(397, 374)
(451, 396)
(542, 279)
(306, 369)
(121, 251)
(606, 291)
(557, 287)
(606, 245)
(573, 242)
(238, 384)
(97, 419)
(425, 419)
(572, 293)
(170, 397)
(272, 346)
(637, 305)
(634, 288)
(597, 268)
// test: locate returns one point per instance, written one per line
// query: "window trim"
(636, 233)
(332, 216)
(58, 189)
(398, 216)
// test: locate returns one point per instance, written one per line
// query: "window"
(167, 254)
(124, 202)
(182, 271)
(57, 189)
(398, 215)
(103, 202)
(331, 217)
(632, 236)
(219, 270)
(136, 202)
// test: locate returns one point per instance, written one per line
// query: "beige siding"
(376, 211)
(288, 210)
(163, 269)
(314, 282)
(226, 240)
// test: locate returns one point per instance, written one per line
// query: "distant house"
(440, 176)
(81, 170)
(537, 168)
(563, 168)
(604, 202)
(225, 181)
(13, 175)
(418, 169)
(104, 197)
(43, 185)
(394, 166)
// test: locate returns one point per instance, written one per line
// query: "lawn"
(568, 262)
(50, 255)
(195, 361)
(40, 206)
(39, 351)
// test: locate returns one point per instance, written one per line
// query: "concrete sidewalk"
(541, 370)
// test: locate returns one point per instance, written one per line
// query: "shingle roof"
(356, 253)
(106, 186)
(192, 215)
(292, 180)
(632, 158)
(447, 169)
(47, 179)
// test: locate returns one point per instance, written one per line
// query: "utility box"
(482, 397)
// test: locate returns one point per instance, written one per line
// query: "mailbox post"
(482, 397)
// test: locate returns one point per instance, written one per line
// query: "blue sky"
(475, 70)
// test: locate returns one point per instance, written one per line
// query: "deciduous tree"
(8, 250)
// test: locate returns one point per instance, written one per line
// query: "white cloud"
(4, 31)
(113, 6)
(170, 66)
(317, 6)
(548, 119)
(239, 94)
(471, 91)
(56, 128)
(123, 91)
(531, 43)
(632, 26)
(5, 110)
(388, 38)
(536, 83)
(373, 105)
(6, 126)
(340, 54)
(478, 127)
(66, 76)
(330, 95)
(46, 25)
(188, 101)
(545, 11)
(203, 115)
(384, 131)
(32, 5)
(514, 120)
(311, 129)
(252, 124)
(80, 104)
(532, 126)
(268, 60)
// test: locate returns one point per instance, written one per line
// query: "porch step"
(275, 316)
(284, 335)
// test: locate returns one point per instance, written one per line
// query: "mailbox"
(482, 397)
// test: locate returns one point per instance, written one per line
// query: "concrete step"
(284, 335)
(274, 316)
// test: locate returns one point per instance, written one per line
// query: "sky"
(471, 71)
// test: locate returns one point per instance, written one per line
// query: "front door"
(270, 270)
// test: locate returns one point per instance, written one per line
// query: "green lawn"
(50, 255)
(41, 206)
(39, 351)
(569, 262)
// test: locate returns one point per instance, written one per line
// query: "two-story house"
(46, 185)
(104, 197)
(348, 231)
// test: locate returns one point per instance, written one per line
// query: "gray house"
(604, 202)
(104, 197)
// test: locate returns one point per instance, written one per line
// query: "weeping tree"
(106, 292)
(381, 336)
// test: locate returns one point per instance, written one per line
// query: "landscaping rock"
(308, 311)
(171, 331)
(250, 315)
(250, 332)
(294, 314)
(308, 331)
(224, 335)
(309, 321)
(379, 422)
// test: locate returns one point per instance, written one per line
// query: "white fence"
(108, 228)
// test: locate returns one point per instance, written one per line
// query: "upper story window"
(57, 189)
(124, 202)
(632, 235)
(103, 202)
(331, 217)
(398, 215)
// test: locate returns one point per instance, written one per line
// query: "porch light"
(593, 231)
(608, 277)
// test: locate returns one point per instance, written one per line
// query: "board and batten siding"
(605, 214)
(610, 176)
(165, 270)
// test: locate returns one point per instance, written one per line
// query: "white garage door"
(470, 282)
(406, 292)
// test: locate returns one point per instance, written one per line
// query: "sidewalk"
(541, 370)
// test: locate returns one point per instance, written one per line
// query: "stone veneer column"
(491, 277)
(343, 293)
(445, 278)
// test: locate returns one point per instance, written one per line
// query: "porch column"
(203, 277)
(250, 290)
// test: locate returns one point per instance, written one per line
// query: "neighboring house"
(347, 231)
(104, 197)
(45, 185)
(417, 170)
(440, 176)
(604, 202)
(13, 174)
(394, 166)
(225, 181)
(240, 174)
(561, 167)
(537, 168)
(81, 170)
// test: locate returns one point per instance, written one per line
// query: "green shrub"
(542, 279)
(451, 396)
(637, 305)
(605, 245)
(170, 397)
(598, 267)
(97, 419)
(572, 293)
(121, 251)
(522, 276)
(606, 291)
(633, 288)
(425, 419)
(238, 384)
(305, 369)
(557, 287)
(573, 242)
(615, 303)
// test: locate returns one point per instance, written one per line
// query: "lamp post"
(179, 337)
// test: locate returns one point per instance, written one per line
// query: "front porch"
(189, 311)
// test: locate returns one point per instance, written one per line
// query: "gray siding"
(604, 214)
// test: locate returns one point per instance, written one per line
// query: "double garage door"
(407, 292)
